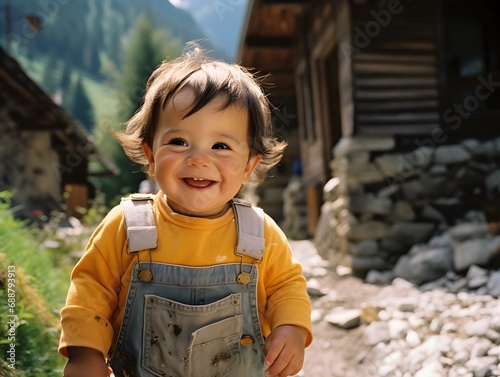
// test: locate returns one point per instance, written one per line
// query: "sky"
(221, 20)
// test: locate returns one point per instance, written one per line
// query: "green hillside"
(83, 39)
(88, 33)
(100, 93)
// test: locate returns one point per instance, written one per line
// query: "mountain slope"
(85, 33)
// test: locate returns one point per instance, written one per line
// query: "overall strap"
(250, 228)
(140, 222)
(143, 235)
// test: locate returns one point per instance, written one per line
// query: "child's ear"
(251, 165)
(150, 157)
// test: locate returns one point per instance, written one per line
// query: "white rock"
(480, 366)
(398, 328)
(376, 332)
(412, 338)
(346, 319)
(480, 348)
(494, 351)
(477, 328)
(315, 288)
(433, 369)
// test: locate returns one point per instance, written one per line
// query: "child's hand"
(85, 362)
(284, 350)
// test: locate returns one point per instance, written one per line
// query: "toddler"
(191, 282)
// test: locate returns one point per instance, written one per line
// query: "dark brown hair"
(208, 78)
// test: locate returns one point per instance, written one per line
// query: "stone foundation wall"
(417, 213)
(29, 168)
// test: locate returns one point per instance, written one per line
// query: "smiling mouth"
(198, 182)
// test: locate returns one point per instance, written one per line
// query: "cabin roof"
(269, 45)
(32, 109)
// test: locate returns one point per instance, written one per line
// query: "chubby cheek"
(163, 167)
(234, 168)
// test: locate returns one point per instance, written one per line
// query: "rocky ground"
(448, 328)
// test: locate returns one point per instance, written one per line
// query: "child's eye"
(177, 141)
(220, 146)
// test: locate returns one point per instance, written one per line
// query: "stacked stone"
(419, 213)
(295, 209)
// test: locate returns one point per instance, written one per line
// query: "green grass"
(32, 291)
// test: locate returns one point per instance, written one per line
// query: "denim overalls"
(192, 321)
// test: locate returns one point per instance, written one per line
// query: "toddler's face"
(200, 162)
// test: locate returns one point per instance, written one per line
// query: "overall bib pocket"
(192, 340)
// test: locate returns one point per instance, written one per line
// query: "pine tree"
(50, 73)
(65, 81)
(143, 49)
(81, 107)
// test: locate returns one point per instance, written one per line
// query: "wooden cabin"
(396, 105)
(44, 152)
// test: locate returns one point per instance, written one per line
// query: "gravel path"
(398, 330)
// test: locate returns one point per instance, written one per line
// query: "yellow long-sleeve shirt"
(100, 281)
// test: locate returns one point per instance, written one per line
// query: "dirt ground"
(335, 352)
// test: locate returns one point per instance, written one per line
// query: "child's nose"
(198, 158)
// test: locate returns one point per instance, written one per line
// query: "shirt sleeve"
(287, 300)
(94, 288)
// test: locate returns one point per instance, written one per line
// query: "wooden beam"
(270, 42)
(7, 78)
